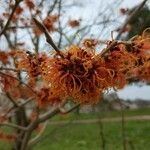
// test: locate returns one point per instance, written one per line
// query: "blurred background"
(121, 121)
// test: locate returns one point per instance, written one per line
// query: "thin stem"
(48, 37)
(9, 69)
(59, 23)
(32, 141)
(114, 43)
(70, 110)
(52, 7)
(13, 126)
(10, 17)
(12, 100)
(19, 81)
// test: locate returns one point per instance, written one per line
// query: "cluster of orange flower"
(82, 73)
(75, 75)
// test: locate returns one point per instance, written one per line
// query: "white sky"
(135, 92)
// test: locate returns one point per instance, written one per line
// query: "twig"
(114, 43)
(133, 14)
(39, 120)
(9, 69)
(59, 23)
(12, 100)
(32, 141)
(65, 36)
(19, 27)
(25, 140)
(19, 81)
(10, 17)
(48, 37)
(14, 109)
(52, 7)
(13, 126)
(70, 110)
(48, 115)
(33, 125)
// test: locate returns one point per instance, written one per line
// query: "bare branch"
(52, 7)
(48, 115)
(9, 69)
(13, 126)
(14, 109)
(70, 110)
(18, 80)
(114, 43)
(10, 17)
(32, 141)
(48, 37)
(12, 100)
(59, 22)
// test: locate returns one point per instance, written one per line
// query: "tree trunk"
(21, 120)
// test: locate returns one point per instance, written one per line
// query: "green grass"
(87, 136)
(135, 112)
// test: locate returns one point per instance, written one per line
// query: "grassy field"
(109, 114)
(87, 136)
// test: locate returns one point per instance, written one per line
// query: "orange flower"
(15, 93)
(30, 4)
(123, 11)
(143, 72)
(47, 96)
(49, 22)
(121, 62)
(80, 75)
(4, 57)
(74, 23)
(25, 92)
(143, 41)
(30, 62)
(8, 82)
(90, 43)
(19, 10)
